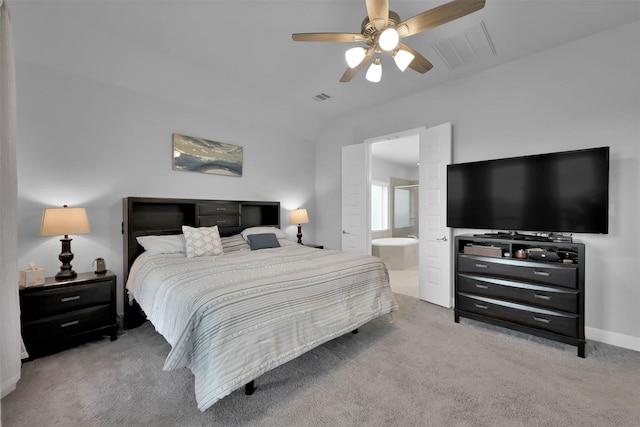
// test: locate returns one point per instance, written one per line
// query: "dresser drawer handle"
(221, 221)
(541, 319)
(73, 298)
(73, 322)
(221, 209)
(484, 307)
(482, 266)
(481, 286)
(542, 273)
(539, 296)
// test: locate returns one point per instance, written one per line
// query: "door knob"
(444, 239)
(345, 232)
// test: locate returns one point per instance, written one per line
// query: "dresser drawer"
(48, 302)
(538, 295)
(554, 274)
(68, 324)
(552, 321)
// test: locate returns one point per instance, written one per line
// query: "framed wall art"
(201, 155)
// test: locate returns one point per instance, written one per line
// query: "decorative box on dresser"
(63, 313)
(540, 297)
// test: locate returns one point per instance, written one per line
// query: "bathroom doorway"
(395, 212)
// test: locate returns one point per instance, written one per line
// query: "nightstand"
(62, 313)
(313, 245)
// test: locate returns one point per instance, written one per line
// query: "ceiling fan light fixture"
(374, 73)
(403, 58)
(354, 56)
(389, 39)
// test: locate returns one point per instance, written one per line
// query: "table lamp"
(299, 216)
(65, 221)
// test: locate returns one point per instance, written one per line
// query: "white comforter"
(233, 317)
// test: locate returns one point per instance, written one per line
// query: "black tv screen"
(556, 192)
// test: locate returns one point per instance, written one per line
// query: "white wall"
(86, 143)
(579, 95)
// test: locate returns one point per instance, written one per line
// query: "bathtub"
(397, 253)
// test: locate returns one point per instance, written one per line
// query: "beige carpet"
(404, 282)
(421, 370)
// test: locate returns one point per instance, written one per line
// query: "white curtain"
(10, 340)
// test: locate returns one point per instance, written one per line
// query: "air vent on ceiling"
(321, 97)
(465, 47)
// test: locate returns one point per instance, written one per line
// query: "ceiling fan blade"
(348, 75)
(328, 37)
(438, 15)
(419, 63)
(378, 11)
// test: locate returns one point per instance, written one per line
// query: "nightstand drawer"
(68, 324)
(48, 302)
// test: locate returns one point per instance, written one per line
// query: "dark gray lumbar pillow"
(263, 241)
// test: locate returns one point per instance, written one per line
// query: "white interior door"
(355, 199)
(435, 283)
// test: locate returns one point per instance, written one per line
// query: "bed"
(262, 301)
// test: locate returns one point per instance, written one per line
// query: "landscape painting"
(201, 155)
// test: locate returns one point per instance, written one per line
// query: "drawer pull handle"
(541, 319)
(484, 307)
(73, 322)
(542, 273)
(221, 221)
(539, 296)
(481, 286)
(67, 299)
(482, 266)
(221, 209)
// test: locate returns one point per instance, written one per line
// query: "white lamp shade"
(403, 59)
(374, 73)
(299, 216)
(64, 221)
(389, 39)
(354, 56)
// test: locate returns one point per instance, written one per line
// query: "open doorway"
(434, 239)
(394, 210)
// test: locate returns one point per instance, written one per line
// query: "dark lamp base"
(66, 272)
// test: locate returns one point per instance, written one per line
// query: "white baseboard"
(9, 385)
(613, 338)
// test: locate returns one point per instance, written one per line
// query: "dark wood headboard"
(157, 216)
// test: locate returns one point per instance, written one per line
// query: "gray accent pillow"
(263, 241)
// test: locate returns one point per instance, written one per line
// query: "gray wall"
(86, 143)
(579, 95)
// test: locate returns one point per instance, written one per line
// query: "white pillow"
(169, 244)
(263, 230)
(202, 241)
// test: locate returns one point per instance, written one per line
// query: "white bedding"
(233, 317)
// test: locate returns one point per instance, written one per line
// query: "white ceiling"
(240, 53)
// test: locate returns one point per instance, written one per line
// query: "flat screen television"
(565, 192)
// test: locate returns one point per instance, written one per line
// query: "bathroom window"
(379, 206)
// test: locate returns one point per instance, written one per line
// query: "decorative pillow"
(263, 241)
(234, 243)
(202, 241)
(169, 244)
(262, 230)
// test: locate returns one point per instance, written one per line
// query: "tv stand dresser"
(539, 297)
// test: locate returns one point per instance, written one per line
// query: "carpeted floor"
(421, 370)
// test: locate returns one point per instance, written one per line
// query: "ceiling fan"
(381, 31)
